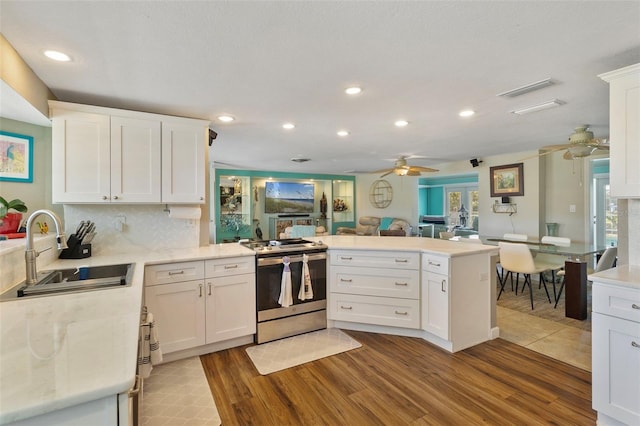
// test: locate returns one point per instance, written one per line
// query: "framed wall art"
(16, 157)
(507, 180)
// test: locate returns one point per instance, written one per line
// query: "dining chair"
(446, 235)
(515, 237)
(500, 272)
(558, 263)
(606, 261)
(516, 257)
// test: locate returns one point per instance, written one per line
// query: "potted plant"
(10, 222)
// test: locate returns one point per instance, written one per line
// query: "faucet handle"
(42, 251)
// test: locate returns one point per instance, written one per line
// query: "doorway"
(604, 208)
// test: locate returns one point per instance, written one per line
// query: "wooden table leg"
(575, 290)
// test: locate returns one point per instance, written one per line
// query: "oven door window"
(269, 279)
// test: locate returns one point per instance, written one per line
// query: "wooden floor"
(395, 380)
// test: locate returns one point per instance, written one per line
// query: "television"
(288, 197)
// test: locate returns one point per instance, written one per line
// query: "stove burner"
(282, 246)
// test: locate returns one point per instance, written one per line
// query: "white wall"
(405, 198)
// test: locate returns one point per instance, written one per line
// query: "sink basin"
(78, 279)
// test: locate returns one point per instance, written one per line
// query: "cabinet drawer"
(375, 310)
(376, 282)
(616, 301)
(230, 266)
(376, 259)
(173, 272)
(437, 264)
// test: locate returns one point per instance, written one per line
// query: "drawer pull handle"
(345, 258)
(345, 280)
(634, 306)
(231, 266)
(434, 264)
(443, 285)
(402, 313)
(635, 345)
(209, 288)
(200, 285)
(346, 307)
(176, 273)
(401, 260)
(402, 284)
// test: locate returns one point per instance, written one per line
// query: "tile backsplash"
(146, 227)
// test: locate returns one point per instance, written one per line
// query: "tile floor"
(177, 394)
(562, 342)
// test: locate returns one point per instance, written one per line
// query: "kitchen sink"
(75, 280)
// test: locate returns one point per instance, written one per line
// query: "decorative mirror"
(381, 194)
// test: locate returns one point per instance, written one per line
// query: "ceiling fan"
(581, 144)
(401, 168)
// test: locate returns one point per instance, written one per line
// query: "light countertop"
(427, 245)
(63, 350)
(623, 275)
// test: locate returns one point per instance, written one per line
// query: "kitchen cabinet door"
(435, 305)
(231, 307)
(179, 312)
(81, 169)
(183, 163)
(135, 160)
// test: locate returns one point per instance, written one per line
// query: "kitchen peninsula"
(78, 351)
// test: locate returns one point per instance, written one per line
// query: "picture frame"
(16, 157)
(507, 180)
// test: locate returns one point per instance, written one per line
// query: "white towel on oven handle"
(306, 289)
(286, 297)
(150, 352)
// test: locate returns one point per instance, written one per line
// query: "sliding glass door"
(462, 205)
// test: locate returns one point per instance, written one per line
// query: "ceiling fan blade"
(424, 169)
(557, 147)
(382, 170)
(413, 172)
(560, 148)
(387, 173)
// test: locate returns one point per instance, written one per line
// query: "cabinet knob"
(115, 197)
(201, 198)
(104, 197)
(634, 306)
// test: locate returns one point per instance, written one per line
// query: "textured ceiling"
(270, 62)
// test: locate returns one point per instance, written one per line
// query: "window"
(458, 197)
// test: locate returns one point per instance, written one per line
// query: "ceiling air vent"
(535, 108)
(527, 88)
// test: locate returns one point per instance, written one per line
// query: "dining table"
(577, 256)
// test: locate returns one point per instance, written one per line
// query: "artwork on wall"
(16, 157)
(507, 180)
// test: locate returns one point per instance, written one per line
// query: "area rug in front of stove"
(285, 353)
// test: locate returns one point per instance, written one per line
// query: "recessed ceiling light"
(225, 118)
(466, 113)
(57, 56)
(353, 90)
(288, 126)
(401, 123)
(343, 133)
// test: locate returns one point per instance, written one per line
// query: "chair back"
(607, 259)
(446, 235)
(516, 257)
(515, 237)
(556, 241)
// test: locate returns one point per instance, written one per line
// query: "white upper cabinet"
(183, 163)
(624, 130)
(105, 155)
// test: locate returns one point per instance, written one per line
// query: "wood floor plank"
(401, 380)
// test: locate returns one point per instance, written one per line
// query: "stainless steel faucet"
(30, 254)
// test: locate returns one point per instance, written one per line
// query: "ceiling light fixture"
(288, 126)
(225, 118)
(353, 90)
(466, 113)
(343, 133)
(57, 56)
(535, 108)
(401, 123)
(527, 88)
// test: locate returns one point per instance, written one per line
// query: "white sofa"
(297, 231)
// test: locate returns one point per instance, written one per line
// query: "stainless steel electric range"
(273, 320)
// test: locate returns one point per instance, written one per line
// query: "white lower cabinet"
(435, 304)
(616, 354)
(388, 294)
(217, 306)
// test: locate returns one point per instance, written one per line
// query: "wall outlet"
(121, 220)
(572, 208)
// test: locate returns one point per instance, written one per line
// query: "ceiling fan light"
(401, 172)
(579, 151)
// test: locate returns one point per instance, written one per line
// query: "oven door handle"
(266, 261)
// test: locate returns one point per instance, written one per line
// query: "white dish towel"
(150, 352)
(286, 297)
(306, 289)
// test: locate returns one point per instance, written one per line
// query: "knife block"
(75, 250)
